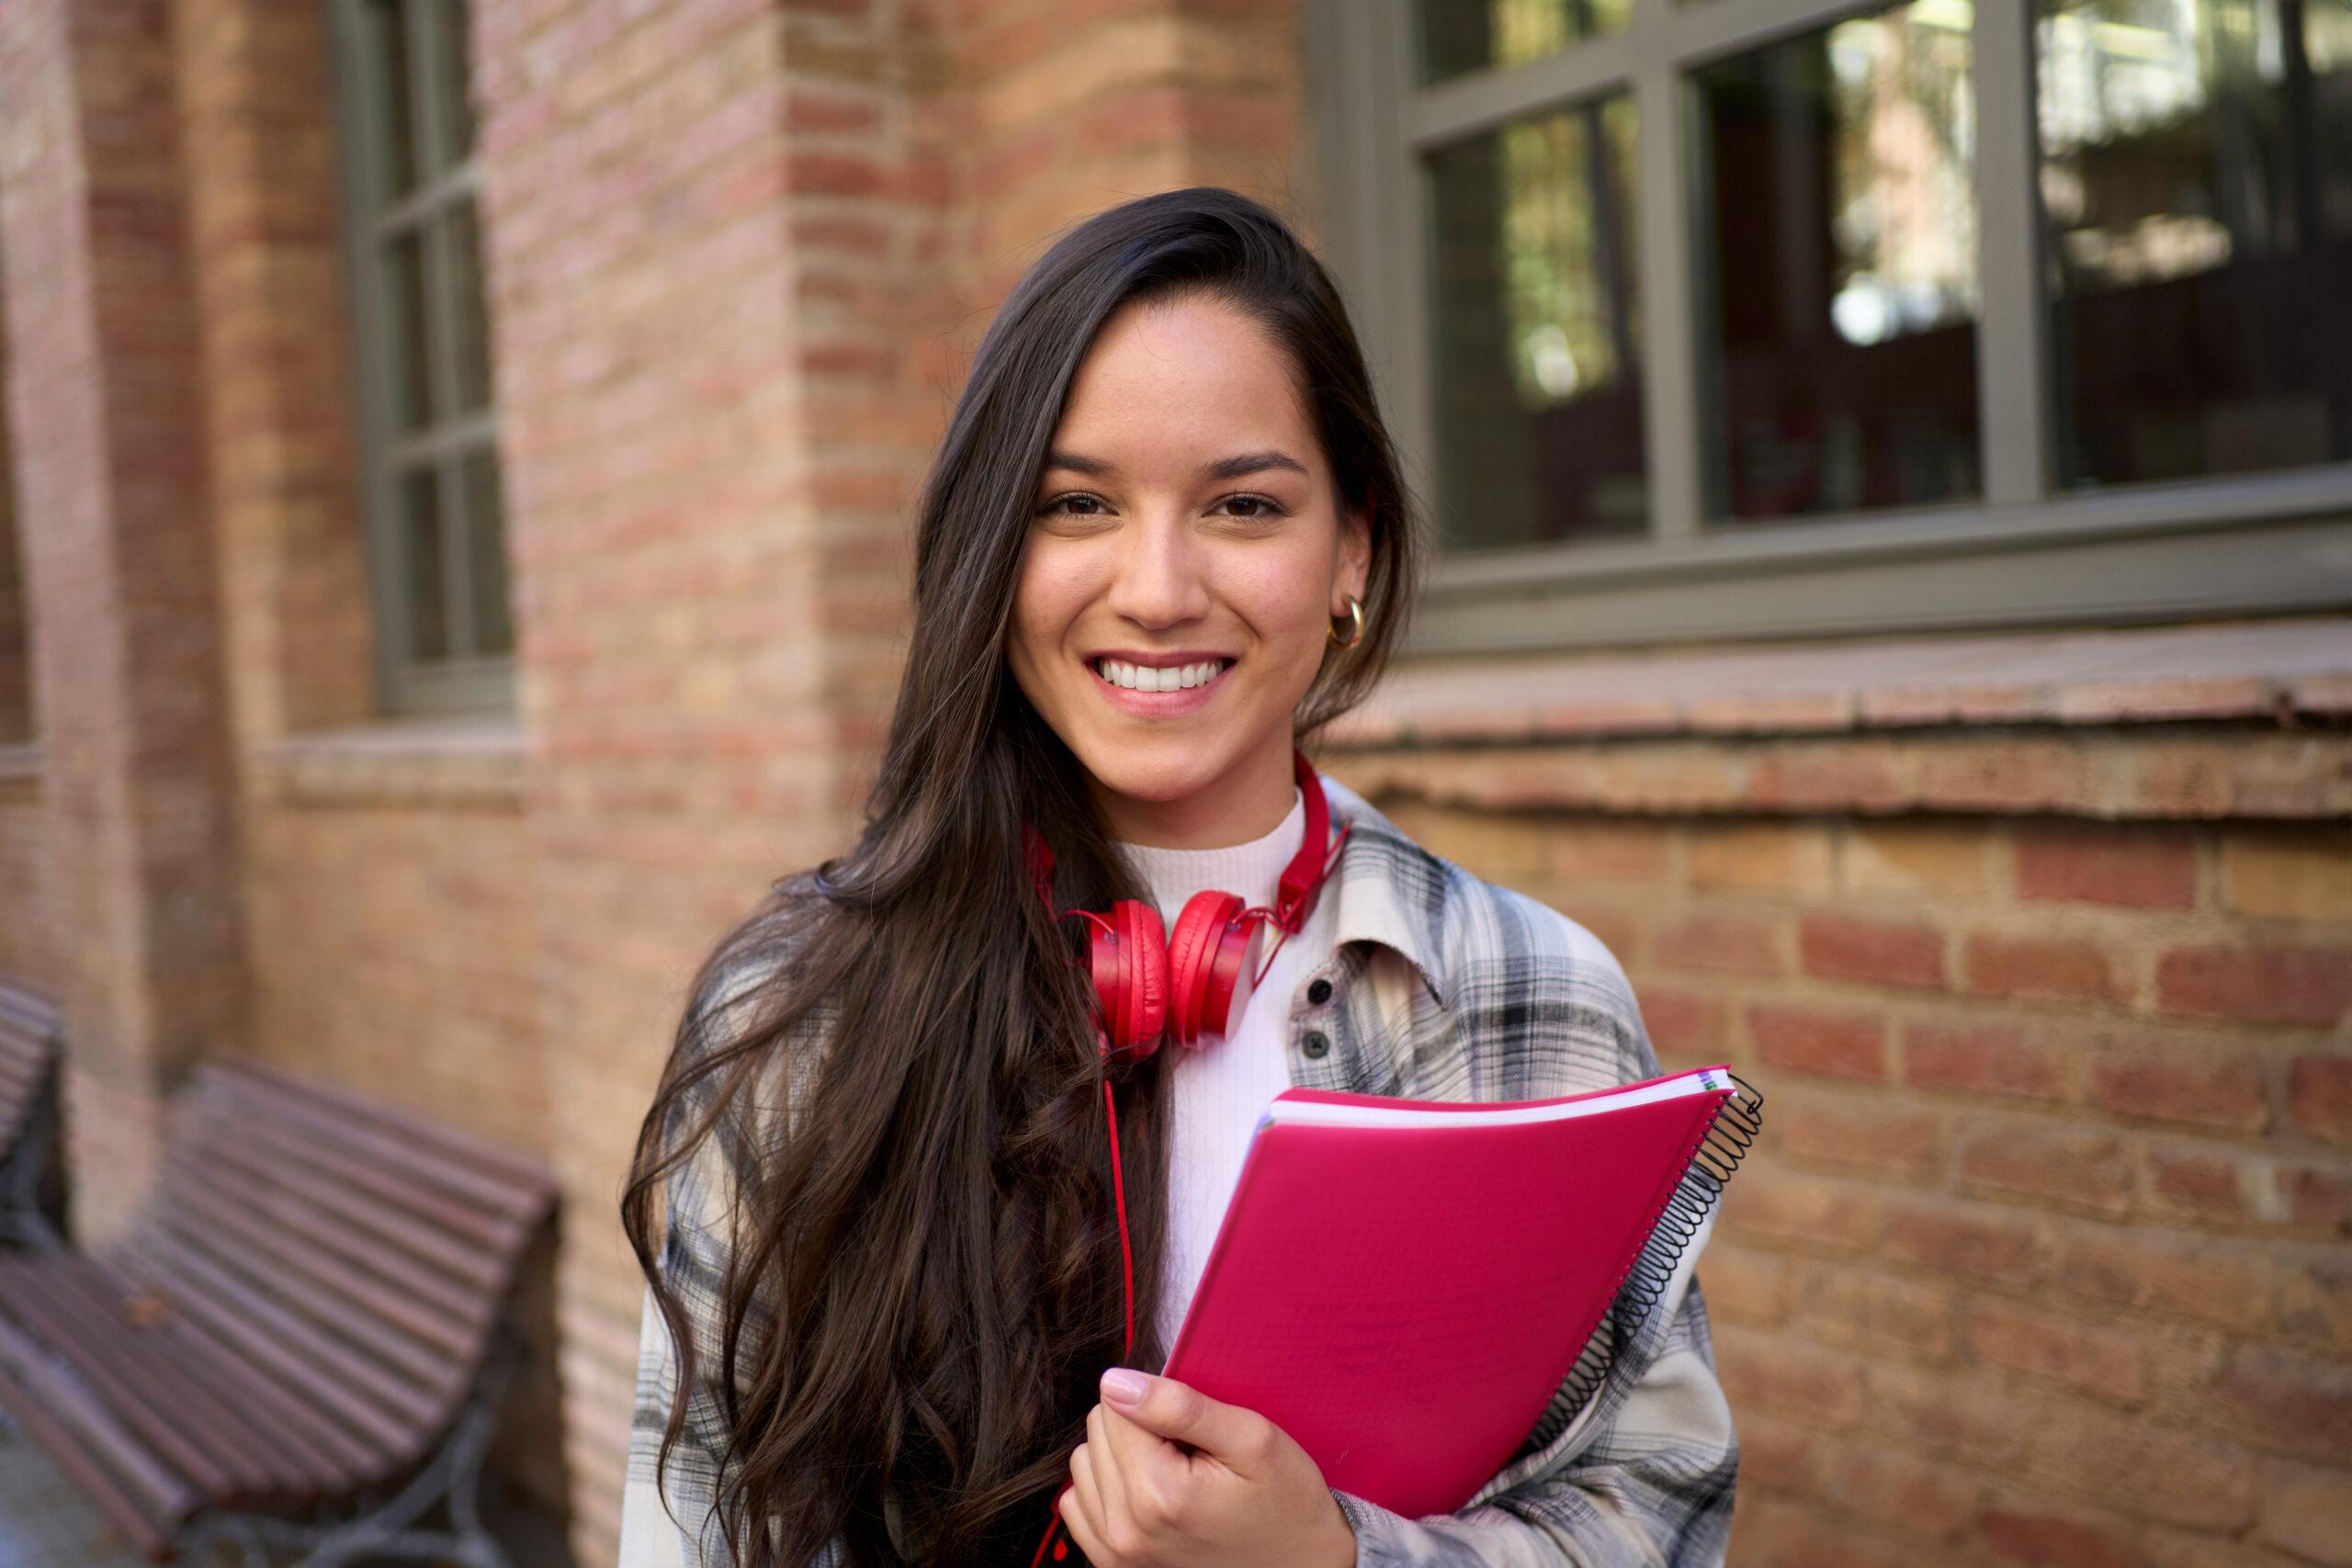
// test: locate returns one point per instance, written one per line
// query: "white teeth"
(1147, 678)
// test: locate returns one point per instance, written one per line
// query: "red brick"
(2068, 1167)
(2206, 1484)
(1944, 1414)
(1768, 1201)
(2308, 1511)
(2316, 1200)
(1779, 1374)
(1814, 1040)
(2003, 1059)
(1880, 953)
(1717, 941)
(1862, 1132)
(2133, 867)
(2315, 1298)
(2208, 1279)
(2285, 1403)
(2032, 969)
(2200, 1186)
(2319, 1095)
(2256, 984)
(1684, 1025)
(2205, 1086)
(1882, 1316)
(1744, 1284)
(2088, 1356)
(2059, 1540)
(1973, 1241)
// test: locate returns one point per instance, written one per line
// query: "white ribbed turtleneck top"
(1220, 1087)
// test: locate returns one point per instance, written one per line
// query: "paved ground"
(46, 1523)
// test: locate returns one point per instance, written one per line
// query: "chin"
(1161, 770)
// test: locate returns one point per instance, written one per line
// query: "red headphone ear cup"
(1147, 974)
(1191, 951)
(1227, 956)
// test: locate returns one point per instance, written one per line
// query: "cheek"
(1046, 597)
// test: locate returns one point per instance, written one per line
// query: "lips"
(1150, 678)
(1167, 698)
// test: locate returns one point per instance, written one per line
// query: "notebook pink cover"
(1404, 1300)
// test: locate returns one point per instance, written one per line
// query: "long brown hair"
(922, 1281)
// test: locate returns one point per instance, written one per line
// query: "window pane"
(1459, 35)
(2196, 176)
(1838, 218)
(404, 330)
(428, 618)
(384, 36)
(486, 556)
(1535, 335)
(469, 324)
(454, 81)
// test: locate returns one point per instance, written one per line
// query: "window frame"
(368, 219)
(2024, 553)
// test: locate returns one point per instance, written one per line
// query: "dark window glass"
(454, 80)
(469, 318)
(1461, 36)
(386, 25)
(486, 558)
(406, 337)
(419, 501)
(1837, 267)
(2197, 179)
(1535, 341)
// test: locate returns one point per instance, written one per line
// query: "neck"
(1247, 802)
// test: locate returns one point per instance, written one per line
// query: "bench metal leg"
(22, 1219)
(381, 1529)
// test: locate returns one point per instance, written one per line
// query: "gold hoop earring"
(1355, 609)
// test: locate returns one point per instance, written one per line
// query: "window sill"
(471, 762)
(2247, 719)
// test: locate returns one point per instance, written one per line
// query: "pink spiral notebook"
(1403, 1285)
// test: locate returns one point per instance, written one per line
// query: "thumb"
(1176, 1411)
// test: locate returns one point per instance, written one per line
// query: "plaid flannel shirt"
(1442, 986)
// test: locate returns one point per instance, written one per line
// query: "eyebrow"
(1231, 468)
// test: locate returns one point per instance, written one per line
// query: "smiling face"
(1186, 555)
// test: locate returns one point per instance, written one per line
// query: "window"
(1749, 318)
(428, 409)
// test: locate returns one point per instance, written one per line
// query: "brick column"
(712, 237)
(105, 415)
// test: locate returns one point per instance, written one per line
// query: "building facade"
(1893, 474)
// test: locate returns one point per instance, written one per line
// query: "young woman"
(888, 1310)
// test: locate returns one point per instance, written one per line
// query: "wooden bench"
(32, 1185)
(300, 1340)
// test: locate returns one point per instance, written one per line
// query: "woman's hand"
(1169, 1478)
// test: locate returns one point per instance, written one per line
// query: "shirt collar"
(1387, 889)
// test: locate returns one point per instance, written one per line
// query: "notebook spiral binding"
(1730, 1133)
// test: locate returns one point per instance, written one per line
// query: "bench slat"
(43, 1405)
(67, 1333)
(426, 1304)
(415, 1340)
(254, 1339)
(162, 1374)
(477, 1271)
(440, 1152)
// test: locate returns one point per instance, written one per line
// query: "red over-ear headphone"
(1140, 980)
(1148, 983)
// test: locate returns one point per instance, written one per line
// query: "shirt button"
(1315, 1046)
(1319, 992)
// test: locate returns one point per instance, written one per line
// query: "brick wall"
(2052, 1021)
(2041, 1258)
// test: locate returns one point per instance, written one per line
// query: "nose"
(1159, 580)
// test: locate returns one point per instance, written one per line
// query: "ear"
(1355, 555)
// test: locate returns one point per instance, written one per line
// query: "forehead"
(1173, 385)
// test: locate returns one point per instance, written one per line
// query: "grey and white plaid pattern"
(1443, 986)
